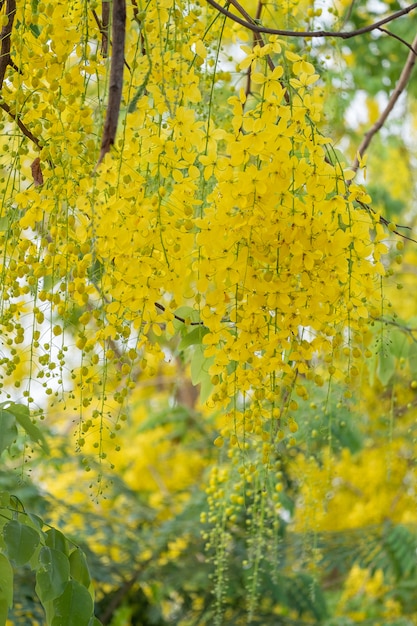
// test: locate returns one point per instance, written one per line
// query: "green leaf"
(79, 568)
(4, 611)
(206, 388)
(399, 345)
(6, 580)
(199, 367)
(175, 416)
(337, 157)
(412, 359)
(36, 520)
(188, 314)
(6, 588)
(35, 29)
(21, 541)
(195, 337)
(4, 224)
(22, 415)
(74, 607)
(52, 575)
(4, 499)
(8, 430)
(386, 366)
(55, 539)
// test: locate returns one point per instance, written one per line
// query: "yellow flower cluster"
(358, 491)
(223, 200)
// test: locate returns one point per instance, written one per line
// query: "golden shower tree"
(173, 201)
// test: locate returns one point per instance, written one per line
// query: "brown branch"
(254, 26)
(21, 125)
(385, 222)
(402, 83)
(5, 36)
(242, 11)
(257, 39)
(409, 330)
(5, 60)
(225, 320)
(177, 317)
(403, 41)
(257, 28)
(116, 77)
(117, 598)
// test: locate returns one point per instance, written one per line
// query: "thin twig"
(243, 11)
(177, 317)
(407, 330)
(116, 77)
(5, 60)
(258, 28)
(21, 125)
(120, 594)
(253, 25)
(385, 222)
(257, 35)
(403, 41)
(257, 39)
(402, 82)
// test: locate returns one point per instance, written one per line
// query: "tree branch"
(243, 11)
(257, 28)
(398, 38)
(5, 60)
(5, 36)
(177, 317)
(385, 222)
(116, 77)
(20, 124)
(402, 82)
(257, 39)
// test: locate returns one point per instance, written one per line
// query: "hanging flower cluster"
(222, 199)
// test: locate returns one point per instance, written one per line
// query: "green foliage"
(6, 587)
(61, 572)
(12, 414)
